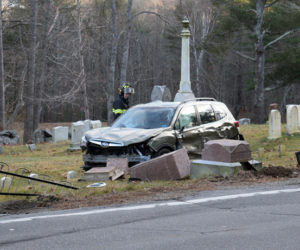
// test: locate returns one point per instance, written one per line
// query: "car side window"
(206, 113)
(220, 113)
(187, 118)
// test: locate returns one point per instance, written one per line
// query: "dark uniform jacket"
(120, 106)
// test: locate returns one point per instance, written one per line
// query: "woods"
(63, 60)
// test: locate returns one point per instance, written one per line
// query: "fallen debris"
(96, 185)
(171, 166)
(120, 163)
(102, 174)
(24, 183)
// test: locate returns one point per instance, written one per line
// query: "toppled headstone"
(161, 93)
(42, 135)
(274, 124)
(9, 137)
(120, 163)
(256, 164)
(244, 121)
(98, 174)
(292, 119)
(5, 182)
(226, 151)
(71, 175)
(203, 168)
(60, 133)
(171, 166)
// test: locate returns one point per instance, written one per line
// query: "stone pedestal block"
(171, 166)
(226, 151)
(202, 168)
(60, 134)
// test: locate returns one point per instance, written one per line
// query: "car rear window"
(220, 113)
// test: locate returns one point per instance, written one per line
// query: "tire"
(162, 151)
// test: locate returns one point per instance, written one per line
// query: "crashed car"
(149, 130)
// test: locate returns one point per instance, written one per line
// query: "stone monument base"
(182, 96)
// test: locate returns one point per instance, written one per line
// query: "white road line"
(148, 206)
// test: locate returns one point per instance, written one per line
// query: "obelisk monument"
(185, 92)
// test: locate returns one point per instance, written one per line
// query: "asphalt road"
(253, 218)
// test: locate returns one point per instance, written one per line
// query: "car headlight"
(83, 142)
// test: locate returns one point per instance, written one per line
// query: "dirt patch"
(243, 178)
(280, 172)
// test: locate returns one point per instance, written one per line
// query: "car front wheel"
(160, 152)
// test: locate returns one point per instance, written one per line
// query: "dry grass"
(55, 160)
(256, 136)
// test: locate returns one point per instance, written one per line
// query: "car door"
(209, 128)
(186, 128)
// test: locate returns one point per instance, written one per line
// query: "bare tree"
(82, 67)
(39, 85)
(29, 101)
(114, 46)
(2, 76)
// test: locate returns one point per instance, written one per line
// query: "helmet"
(126, 88)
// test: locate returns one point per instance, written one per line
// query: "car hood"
(124, 136)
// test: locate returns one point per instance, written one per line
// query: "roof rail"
(200, 99)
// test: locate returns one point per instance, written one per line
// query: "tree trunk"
(111, 83)
(259, 102)
(43, 66)
(29, 101)
(82, 69)
(126, 44)
(2, 76)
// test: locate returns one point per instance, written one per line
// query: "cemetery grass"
(55, 160)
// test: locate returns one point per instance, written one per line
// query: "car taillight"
(236, 124)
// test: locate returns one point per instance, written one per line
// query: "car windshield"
(145, 118)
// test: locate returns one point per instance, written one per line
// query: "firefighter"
(121, 104)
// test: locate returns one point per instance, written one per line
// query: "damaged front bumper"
(92, 160)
